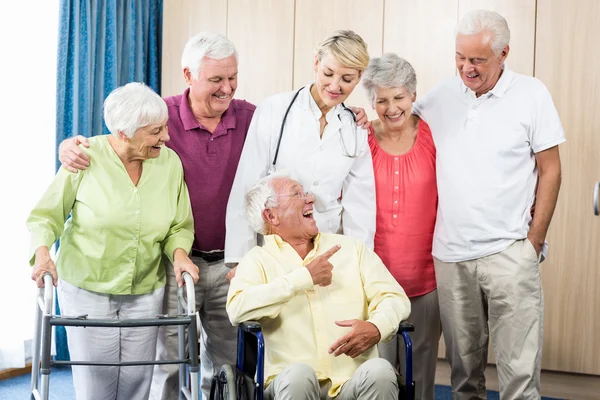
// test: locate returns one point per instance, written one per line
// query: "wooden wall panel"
(317, 20)
(422, 32)
(567, 59)
(556, 39)
(263, 32)
(181, 20)
(520, 15)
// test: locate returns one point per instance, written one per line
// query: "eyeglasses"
(301, 195)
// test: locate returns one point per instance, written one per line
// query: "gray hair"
(389, 71)
(479, 21)
(260, 197)
(206, 44)
(131, 107)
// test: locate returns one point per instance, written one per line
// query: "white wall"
(28, 35)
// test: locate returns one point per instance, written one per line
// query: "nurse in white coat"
(319, 144)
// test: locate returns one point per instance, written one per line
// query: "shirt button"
(395, 158)
(134, 190)
(395, 201)
(211, 139)
(137, 212)
(316, 183)
(395, 216)
(396, 187)
(131, 260)
(396, 172)
(134, 239)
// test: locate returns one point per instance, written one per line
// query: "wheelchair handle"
(406, 327)
(250, 327)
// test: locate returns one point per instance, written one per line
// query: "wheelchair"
(238, 383)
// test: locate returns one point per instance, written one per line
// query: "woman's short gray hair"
(389, 71)
(206, 44)
(131, 107)
(479, 21)
(261, 196)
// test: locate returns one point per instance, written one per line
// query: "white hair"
(261, 196)
(479, 21)
(206, 44)
(389, 71)
(131, 107)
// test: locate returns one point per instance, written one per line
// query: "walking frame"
(44, 321)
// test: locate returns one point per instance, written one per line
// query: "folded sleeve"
(251, 297)
(388, 304)
(47, 219)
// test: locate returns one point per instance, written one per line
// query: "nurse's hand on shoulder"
(71, 156)
(182, 263)
(361, 117)
(43, 265)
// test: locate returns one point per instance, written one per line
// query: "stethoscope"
(346, 153)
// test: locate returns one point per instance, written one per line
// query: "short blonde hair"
(347, 47)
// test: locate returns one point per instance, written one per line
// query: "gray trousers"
(503, 293)
(374, 379)
(218, 343)
(425, 316)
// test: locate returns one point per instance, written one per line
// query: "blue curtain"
(103, 44)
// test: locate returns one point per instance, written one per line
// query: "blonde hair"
(347, 47)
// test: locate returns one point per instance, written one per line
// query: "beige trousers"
(425, 316)
(374, 379)
(499, 294)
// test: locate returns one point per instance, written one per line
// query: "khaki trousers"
(374, 379)
(425, 316)
(499, 294)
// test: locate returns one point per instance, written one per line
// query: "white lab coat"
(343, 187)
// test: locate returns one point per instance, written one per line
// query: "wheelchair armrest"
(250, 326)
(406, 327)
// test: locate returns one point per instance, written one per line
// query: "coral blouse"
(406, 194)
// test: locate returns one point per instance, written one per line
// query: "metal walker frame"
(44, 321)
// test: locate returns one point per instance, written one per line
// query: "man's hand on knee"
(361, 338)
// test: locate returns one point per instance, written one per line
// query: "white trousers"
(110, 344)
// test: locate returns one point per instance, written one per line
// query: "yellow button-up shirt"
(116, 236)
(272, 286)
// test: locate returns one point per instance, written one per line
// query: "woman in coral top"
(403, 155)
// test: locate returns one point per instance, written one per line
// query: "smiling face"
(334, 82)
(292, 218)
(393, 106)
(148, 141)
(212, 91)
(478, 66)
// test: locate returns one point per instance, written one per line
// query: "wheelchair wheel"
(226, 384)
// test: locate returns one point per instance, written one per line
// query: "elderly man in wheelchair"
(324, 301)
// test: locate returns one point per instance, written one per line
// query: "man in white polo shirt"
(497, 134)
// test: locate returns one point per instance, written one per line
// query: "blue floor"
(61, 387)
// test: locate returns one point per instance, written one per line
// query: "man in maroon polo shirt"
(207, 129)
